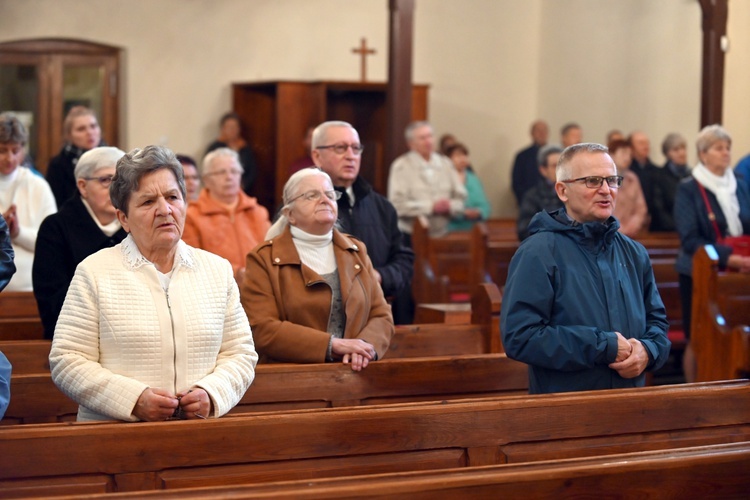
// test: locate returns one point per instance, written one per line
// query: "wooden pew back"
(19, 316)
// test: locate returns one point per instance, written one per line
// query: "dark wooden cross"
(363, 52)
(712, 84)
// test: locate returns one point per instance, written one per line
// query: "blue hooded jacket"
(570, 287)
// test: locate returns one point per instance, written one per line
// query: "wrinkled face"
(192, 181)
(422, 141)
(460, 160)
(96, 193)
(717, 157)
(11, 156)
(223, 178)
(623, 157)
(641, 146)
(548, 171)
(572, 136)
(314, 216)
(230, 129)
(540, 133)
(678, 155)
(156, 212)
(343, 168)
(85, 132)
(587, 204)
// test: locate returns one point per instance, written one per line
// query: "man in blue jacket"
(581, 306)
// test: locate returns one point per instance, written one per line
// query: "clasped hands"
(355, 351)
(631, 359)
(158, 404)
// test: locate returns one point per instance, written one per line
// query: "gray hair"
(12, 130)
(290, 193)
(709, 135)
(409, 132)
(138, 163)
(218, 153)
(563, 164)
(545, 152)
(672, 141)
(94, 159)
(319, 134)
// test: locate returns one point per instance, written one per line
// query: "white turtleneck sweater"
(315, 251)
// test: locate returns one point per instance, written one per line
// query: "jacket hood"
(590, 234)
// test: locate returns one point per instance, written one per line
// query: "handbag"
(740, 244)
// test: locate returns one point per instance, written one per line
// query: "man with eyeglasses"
(580, 305)
(424, 183)
(85, 224)
(364, 213)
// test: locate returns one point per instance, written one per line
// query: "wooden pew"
(27, 356)
(720, 314)
(715, 471)
(36, 399)
(491, 253)
(102, 457)
(19, 317)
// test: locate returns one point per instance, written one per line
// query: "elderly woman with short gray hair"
(310, 291)
(84, 225)
(152, 329)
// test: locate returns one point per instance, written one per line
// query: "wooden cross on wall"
(363, 52)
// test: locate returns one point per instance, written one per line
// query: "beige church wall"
(736, 111)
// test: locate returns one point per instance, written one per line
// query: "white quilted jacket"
(119, 332)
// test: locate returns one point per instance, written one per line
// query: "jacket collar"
(134, 259)
(589, 234)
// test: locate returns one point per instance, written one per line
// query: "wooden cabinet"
(276, 115)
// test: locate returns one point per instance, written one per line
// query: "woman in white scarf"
(730, 203)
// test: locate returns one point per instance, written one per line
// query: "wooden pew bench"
(720, 317)
(101, 457)
(19, 317)
(716, 471)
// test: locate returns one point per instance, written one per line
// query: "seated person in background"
(476, 206)
(666, 180)
(543, 196)
(230, 136)
(306, 160)
(81, 132)
(25, 199)
(423, 182)
(630, 209)
(580, 305)
(743, 169)
(310, 291)
(151, 328)
(192, 177)
(7, 267)
(224, 220)
(84, 225)
(365, 213)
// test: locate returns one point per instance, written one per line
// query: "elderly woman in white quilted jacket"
(152, 329)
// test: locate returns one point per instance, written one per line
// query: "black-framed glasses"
(104, 180)
(595, 182)
(315, 195)
(342, 148)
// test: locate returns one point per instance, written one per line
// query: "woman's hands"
(157, 404)
(355, 351)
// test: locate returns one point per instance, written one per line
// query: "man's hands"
(632, 358)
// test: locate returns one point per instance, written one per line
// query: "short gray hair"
(289, 195)
(563, 164)
(671, 141)
(94, 159)
(12, 130)
(545, 152)
(409, 132)
(138, 163)
(319, 134)
(709, 135)
(218, 153)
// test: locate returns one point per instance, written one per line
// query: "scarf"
(725, 189)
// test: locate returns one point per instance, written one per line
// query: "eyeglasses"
(104, 180)
(343, 148)
(315, 195)
(595, 182)
(234, 172)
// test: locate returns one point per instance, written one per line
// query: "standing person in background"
(230, 136)
(25, 199)
(424, 182)
(525, 167)
(81, 132)
(305, 160)
(666, 180)
(84, 225)
(743, 169)
(477, 206)
(364, 213)
(571, 133)
(192, 177)
(642, 165)
(7, 267)
(631, 210)
(543, 196)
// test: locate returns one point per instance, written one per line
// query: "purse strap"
(711, 215)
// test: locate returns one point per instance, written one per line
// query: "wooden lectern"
(276, 115)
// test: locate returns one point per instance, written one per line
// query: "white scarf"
(315, 251)
(725, 189)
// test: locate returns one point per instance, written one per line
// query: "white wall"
(493, 66)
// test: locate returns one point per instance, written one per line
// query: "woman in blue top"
(477, 206)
